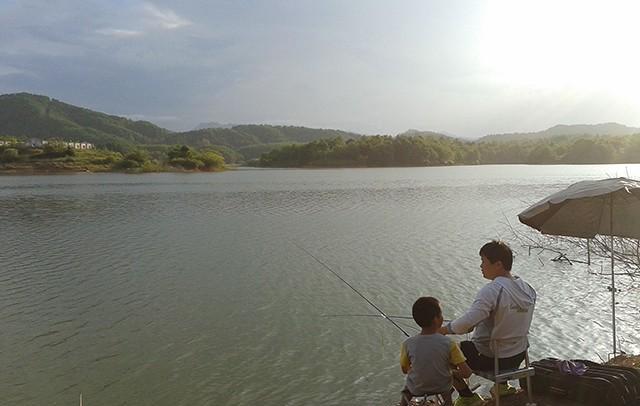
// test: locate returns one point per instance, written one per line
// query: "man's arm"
(480, 309)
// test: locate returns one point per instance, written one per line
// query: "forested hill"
(24, 116)
(252, 140)
(377, 151)
(576, 130)
(425, 134)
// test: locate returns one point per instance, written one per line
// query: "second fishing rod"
(328, 268)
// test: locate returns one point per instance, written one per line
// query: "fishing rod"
(375, 315)
(409, 326)
(368, 315)
(383, 314)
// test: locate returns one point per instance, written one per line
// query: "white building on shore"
(39, 143)
(78, 145)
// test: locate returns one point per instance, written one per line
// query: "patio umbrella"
(585, 209)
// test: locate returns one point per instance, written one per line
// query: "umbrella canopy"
(588, 208)
(585, 209)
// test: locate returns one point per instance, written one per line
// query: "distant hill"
(612, 129)
(243, 136)
(24, 115)
(426, 134)
(213, 124)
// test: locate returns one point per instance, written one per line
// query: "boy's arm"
(458, 359)
(462, 370)
(405, 364)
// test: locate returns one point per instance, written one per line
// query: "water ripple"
(188, 290)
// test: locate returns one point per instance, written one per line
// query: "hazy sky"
(468, 68)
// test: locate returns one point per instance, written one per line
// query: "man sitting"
(502, 313)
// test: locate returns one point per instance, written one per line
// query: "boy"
(427, 358)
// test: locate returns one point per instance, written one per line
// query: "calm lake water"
(189, 289)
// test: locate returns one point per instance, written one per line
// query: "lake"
(192, 289)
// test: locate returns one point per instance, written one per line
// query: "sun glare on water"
(582, 46)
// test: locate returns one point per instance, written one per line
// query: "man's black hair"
(425, 310)
(498, 251)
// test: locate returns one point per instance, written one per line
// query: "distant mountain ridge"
(251, 140)
(24, 116)
(427, 134)
(213, 124)
(611, 129)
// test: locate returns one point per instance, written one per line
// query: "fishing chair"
(440, 399)
(503, 376)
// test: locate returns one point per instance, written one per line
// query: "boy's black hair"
(425, 309)
(498, 251)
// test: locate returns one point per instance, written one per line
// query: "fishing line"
(383, 314)
(409, 326)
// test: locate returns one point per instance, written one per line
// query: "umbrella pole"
(613, 281)
(613, 300)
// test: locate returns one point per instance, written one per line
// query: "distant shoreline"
(8, 170)
(440, 166)
(25, 170)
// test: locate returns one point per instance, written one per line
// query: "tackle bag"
(600, 385)
(631, 377)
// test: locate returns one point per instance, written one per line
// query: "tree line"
(162, 158)
(402, 150)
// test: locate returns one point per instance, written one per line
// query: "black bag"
(600, 385)
(631, 377)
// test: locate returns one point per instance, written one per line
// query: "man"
(501, 313)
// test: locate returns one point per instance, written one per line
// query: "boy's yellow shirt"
(455, 355)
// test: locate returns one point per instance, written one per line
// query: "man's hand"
(443, 330)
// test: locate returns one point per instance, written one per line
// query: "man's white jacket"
(501, 313)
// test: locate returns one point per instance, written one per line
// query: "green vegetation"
(256, 150)
(139, 146)
(419, 150)
(246, 142)
(10, 155)
(57, 158)
(187, 158)
(580, 130)
(25, 116)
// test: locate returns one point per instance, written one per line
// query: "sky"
(466, 68)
